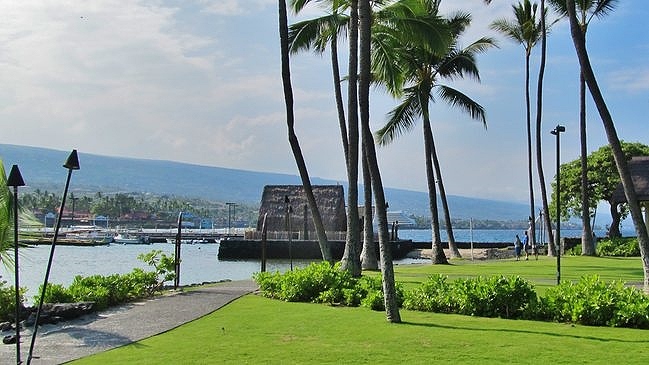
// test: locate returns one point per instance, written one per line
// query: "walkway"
(122, 325)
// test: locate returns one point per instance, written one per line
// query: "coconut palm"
(292, 137)
(525, 30)
(423, 71)
(6, 220)
(579, 42)
(586, 11)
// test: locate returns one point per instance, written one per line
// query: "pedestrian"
(526, 245)
(517, 248)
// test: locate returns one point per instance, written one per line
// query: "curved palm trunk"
(342, 123)
(292, 138)
(387, 270)
(587, 244)
(613, 140)
(368, 254)
(452, 247)
(438, 256)
(351, 256)
(539, 118)
(614, 228)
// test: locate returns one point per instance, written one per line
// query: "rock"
(9, 339)
(57, 312)
(6, 326)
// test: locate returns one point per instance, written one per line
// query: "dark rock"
(57, 312)
(9, 339)
(6, 326)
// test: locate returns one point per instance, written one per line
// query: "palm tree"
(527, 31)
(368, 254)
(423, 71)
(587, 10)
(6, 221)
(292, 137)
(579, 41)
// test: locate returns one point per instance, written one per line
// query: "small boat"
(86, 237)
(129, 239)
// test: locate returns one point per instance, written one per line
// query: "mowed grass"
(256, 330)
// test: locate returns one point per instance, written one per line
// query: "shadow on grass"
(483, 329)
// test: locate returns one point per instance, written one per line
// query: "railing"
(298, 236)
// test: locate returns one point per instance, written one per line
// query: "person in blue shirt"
(526, 245)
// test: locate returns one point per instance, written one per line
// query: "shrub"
(596, 303)
(626, 247)
(495, 296)
(8, 301)
(165, 266)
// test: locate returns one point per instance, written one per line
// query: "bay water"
(199, 262)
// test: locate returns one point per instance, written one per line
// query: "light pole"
(16, 180)
(230, 206)
(557, 132)
(72, 163)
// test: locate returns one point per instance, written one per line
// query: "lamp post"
(16, 180)
(557, 132)
(230, 206)
(72, 163)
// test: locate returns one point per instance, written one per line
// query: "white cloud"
(630, 80)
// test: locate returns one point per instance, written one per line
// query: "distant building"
(329, 198)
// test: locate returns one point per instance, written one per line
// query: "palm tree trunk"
(613, 140)
(387, 270)
(539, 118)
(292, 138)
(587, 244)
(438, 256)
(351, 256)
(614, 228)
(368, 254)
(339, 97)
(452, 247)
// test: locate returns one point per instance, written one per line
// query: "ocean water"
(199, 262)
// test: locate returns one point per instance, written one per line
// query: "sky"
(199, 81)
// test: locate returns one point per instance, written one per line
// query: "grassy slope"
(257, 330)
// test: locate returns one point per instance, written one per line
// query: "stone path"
(122, 325)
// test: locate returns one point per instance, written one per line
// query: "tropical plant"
(579, 42)
(423, 70)
(292, 137)
(587, 9)
(316, 34)
(603, 180)
(525, 30)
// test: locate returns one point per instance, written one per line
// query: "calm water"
(199, 262)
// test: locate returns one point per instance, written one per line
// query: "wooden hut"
(276, 200)
(639, 169)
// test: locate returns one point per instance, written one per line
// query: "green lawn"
(257, 330)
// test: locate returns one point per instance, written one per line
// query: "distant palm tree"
(292, 137)
(6, 221)
(587, 10)
(579, 42)
(525, 30)
(423, 69)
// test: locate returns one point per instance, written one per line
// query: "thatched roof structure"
(639, 169)
(329, 198)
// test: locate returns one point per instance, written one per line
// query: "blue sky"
(199, 82)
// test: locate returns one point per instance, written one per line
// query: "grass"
(255, 330)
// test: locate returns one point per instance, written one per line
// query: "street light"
(16, 180)
(230, 206)
(72, 163)
(557, 131)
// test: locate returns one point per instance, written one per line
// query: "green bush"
(596, 303)
(495, 296)
(8, 301)
(323, 283)
(625, 247)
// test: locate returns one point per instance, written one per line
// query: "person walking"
(517, 247)
(526, 245)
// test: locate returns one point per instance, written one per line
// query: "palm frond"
(400, 119)
(459, 100)
(315, 33)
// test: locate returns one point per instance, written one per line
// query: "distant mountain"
(42, 168)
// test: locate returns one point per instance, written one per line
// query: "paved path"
(122, 325)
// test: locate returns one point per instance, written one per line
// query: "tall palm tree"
(317, 34)
(423, 71)
(6, 220)
(579, 42)
(292, 137)
(525, 30)
(368, 253)
(586, 11)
